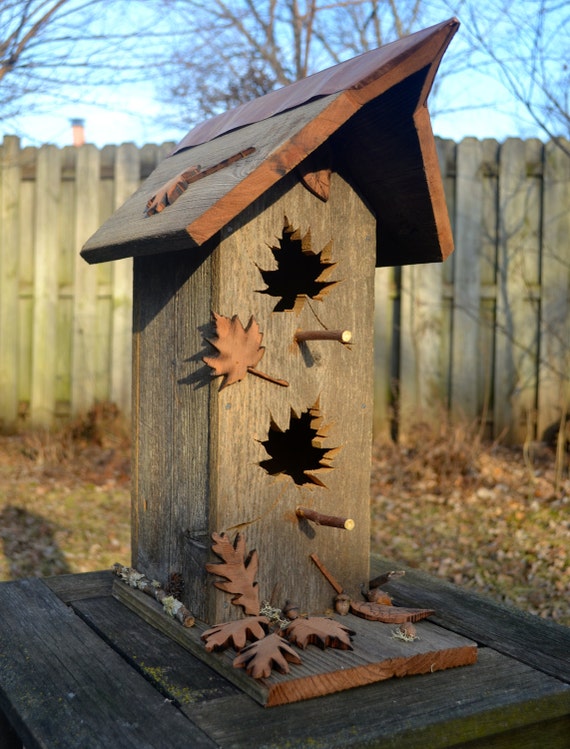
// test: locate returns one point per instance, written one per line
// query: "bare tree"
(240, 49)
(525, 46)
(54, 50)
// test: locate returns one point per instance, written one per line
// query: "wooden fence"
(484, 337)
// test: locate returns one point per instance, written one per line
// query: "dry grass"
(484, 516)
(490, 518)
(65, 498)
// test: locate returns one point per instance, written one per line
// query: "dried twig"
(171, 606)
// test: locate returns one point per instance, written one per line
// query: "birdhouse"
(255, 244)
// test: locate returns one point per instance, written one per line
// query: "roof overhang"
(369, 113)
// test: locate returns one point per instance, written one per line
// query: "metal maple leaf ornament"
(239, 350)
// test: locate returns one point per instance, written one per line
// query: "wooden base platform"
(377, 655)
(80, 669)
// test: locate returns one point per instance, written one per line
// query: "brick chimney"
(78, 131)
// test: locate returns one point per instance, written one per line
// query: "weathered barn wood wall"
(485, 336)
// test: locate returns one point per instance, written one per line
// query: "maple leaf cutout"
(239, 569)
(239, 350)
(272, 652)
(319, 630)
(301, 272)
(236, 633)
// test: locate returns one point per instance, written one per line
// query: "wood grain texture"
(335, 378)
(196, 462)
(553, 386)
(46, 248)
(130, 231)
(517, 289)
(85, 332)
(497, 702)
(542, 644)
(377, 655)
(447, 708)
(71, 588)
(465, 350)
(10, 176)
(63, 686)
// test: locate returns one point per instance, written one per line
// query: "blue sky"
(469, 101)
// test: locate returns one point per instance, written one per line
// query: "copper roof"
(369, 112)
(354, 74)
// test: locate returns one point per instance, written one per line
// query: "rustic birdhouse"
(254, 246)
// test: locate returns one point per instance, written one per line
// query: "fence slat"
(553, 392)
(517, 282)
(46, 253)
(466, 282)
(127, 180)
(9, 281)
(87, 220)
(421, 375)
(487, 333)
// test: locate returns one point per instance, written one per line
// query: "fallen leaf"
(320, 631)
(235, 633)
(272, 652)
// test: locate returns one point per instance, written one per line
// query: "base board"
(377, 654)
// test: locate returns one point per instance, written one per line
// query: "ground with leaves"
(487, 517)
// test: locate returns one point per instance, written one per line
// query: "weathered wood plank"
(384, 302)
(465, 352)
(477, 703)
(517, 291)
(542, 644)
(447, 708)
(46, 253)
(72, 588)
(60, 684)
(421, 366)
(84, 373)
(487, 271)
(377, 655)
(336, 379)
(168, 666)
(129, 222)
(127, 181)
(165, 437)
(553, 386)
(9, 280)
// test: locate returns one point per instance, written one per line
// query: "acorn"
(342, 604)
(290, 610)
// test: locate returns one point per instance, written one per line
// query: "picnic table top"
(79, 669)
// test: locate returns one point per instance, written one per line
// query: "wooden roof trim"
(302, 144)
(434, 181)
(286, 158)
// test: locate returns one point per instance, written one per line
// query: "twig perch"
(330, 520)
(171, 606)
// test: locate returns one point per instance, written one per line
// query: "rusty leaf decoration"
(239, 570)
(379, 612)
(235, 634)
(260, 657)
(239, 350)
(319, 630)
